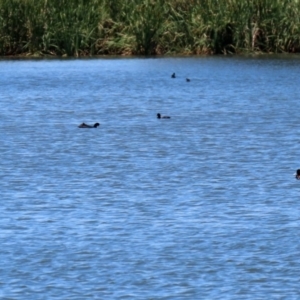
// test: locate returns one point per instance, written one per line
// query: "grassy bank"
(148, 27)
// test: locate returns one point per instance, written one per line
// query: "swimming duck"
(159, 116)
(173, 75)
(188, 80)
(83, 125)
(297, 175)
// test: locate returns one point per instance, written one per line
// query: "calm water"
(201, 206)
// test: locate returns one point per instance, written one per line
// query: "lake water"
(200, 206)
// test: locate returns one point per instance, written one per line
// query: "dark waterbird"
(83, 125)
(188, 80)
(173, 75)
(159, 116)
(297, 175)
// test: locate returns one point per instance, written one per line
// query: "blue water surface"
(200, 206)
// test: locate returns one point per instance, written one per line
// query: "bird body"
(83, 125)
(159, 116)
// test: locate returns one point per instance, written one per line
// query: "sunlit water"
(201, 206)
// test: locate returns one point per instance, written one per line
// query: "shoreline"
(114, 56)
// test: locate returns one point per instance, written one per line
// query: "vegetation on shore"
(148, 27)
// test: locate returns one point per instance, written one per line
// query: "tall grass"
(147, 27)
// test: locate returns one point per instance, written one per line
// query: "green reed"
(92, 27)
